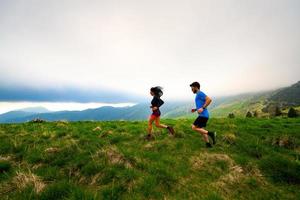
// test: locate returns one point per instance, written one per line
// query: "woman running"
(156, 102)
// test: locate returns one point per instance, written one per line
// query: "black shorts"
(200, 122)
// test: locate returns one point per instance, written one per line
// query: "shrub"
(277, 111)
(5, 146)
(4, 166)
(38, 120)
(281, 169)
(249, 114)
(292, 112)
(231, 116)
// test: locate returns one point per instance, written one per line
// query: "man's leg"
(203, 132)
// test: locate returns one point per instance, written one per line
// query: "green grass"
(253, 159)
(238, 107)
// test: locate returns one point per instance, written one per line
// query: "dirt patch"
(229, 138)
(285, 141)
(98, 128)
(5, 158)
(235, 175)
(116, 157)
(150, 145)
(52, 150)
(95, 179)
(36, 166)
(106, 133)
(206, 159)
(62, 123)
(22, 180)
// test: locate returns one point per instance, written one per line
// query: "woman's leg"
(150, 122)
(158, 124)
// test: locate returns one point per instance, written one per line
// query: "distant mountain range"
(221, 107)
(37, 109)
(136, 112)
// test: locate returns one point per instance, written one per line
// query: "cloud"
(229, 46)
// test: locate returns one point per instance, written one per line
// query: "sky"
(114, 51)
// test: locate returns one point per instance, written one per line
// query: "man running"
(202, 101)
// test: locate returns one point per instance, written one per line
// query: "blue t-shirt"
(200, 101)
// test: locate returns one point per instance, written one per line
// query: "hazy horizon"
(114, 51)
(76, 106)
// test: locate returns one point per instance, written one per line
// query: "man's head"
(195, 86)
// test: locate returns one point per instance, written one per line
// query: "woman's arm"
(155, 104)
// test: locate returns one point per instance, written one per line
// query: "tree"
(277, 111)
(249, 114)
(292, 112)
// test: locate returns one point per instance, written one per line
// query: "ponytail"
(157, 91)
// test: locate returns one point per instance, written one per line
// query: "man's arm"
(207, 102)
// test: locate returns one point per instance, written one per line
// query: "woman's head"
(156, 91)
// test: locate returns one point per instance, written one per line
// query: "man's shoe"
(213, 136)
(208, 145)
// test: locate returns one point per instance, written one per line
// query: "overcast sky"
(122, 48)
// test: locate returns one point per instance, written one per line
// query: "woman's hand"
(154, 108)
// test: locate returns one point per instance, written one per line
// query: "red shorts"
(153, 117)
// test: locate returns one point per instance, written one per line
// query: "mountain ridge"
(221, 107)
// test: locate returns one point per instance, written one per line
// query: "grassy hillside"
(241, 104)
(254, 159)
(284, 98)
(289, 95)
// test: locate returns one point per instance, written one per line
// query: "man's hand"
(193, 110)
(200, 110)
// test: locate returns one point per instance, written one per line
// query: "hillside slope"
(283, 98)
(253, 159)
(289, 95)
